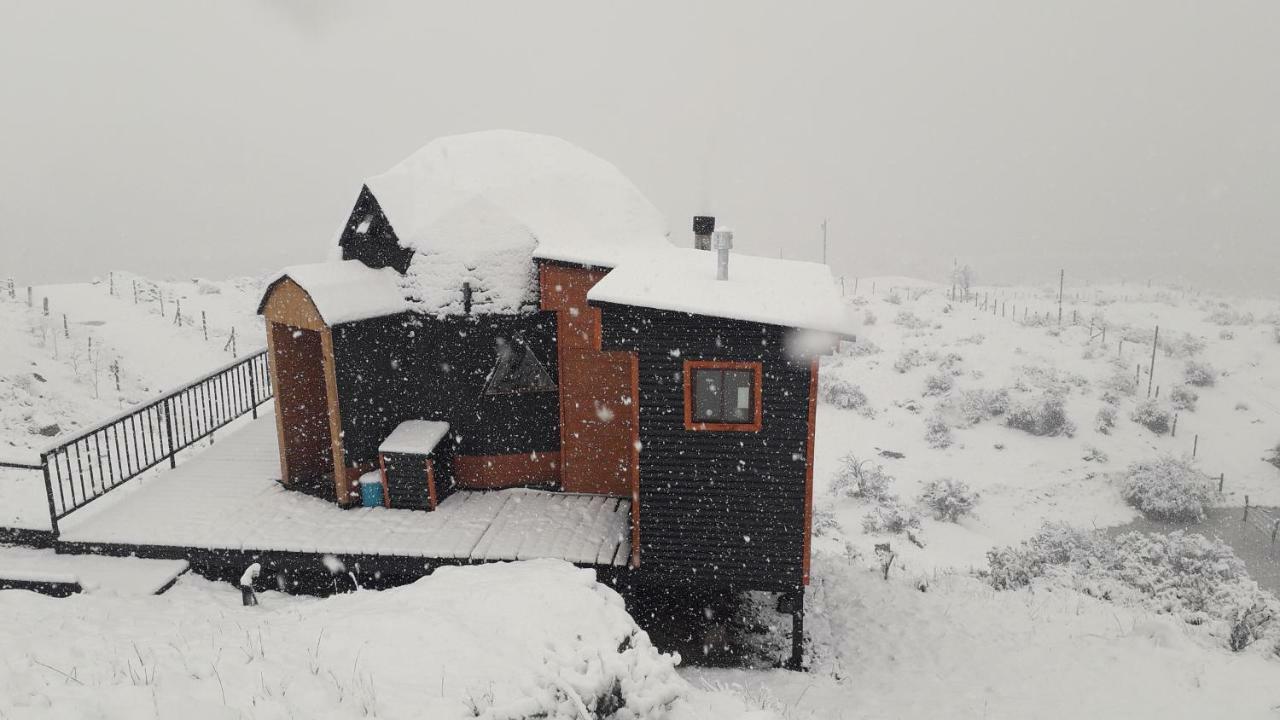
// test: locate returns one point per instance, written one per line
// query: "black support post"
(797, 631)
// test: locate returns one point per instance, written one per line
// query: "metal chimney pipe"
(722, 240)
(703, 226)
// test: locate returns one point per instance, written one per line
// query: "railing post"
(253, 386)
(168, 430)
(48, 491)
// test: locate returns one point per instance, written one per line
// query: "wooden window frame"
(755, 366)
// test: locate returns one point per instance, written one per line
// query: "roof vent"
(703, 225)
(722, 240)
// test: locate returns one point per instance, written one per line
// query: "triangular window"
(517, 370)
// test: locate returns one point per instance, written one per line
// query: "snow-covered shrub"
(893, 298)
(868, 318)
(1105, 421)
(1242, 406)
(938, 384)
(1225, 334)
(1094, 454)
(891, 517)
(909, 359)
(1121, 382)
(1044, 415)
(1200, 374)
(1184, 575)
(1182, 346)
(975, 339)
(1167, 488)
(1275, 332)
(843, 394)
(1184, 398)
(824, 522)
(862, 479)
(204, 287)
(1224, 314)
(1152, 415)
(981, 404)
(937, 432)
(910, 320)
(948, 499)
(1274, 457)
(950, 362)
(858, 347)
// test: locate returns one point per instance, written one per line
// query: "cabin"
(506, 311)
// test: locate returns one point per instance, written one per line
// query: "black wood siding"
(408, 367)
(407, 477)
(720, 507)
(378, 246)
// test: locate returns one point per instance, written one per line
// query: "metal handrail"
(83, 467)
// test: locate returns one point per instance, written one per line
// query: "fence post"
(1275, 528)
(1195, 446)
(204, 323)
(1222, 479)
(13, 293)
(66, 330)
(135, 292)
(46, 306)
(177, 313)
(1155, 341)
(253, 388)
(30, 292)
(48, 491)
(1174, 432)
(168, 431)
(1246, 509)
(111, 283)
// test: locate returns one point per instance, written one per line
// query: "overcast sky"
(1117, 140)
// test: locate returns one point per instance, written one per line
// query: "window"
(722, 395)
(517, 370)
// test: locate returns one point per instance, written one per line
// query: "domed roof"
(578, 207)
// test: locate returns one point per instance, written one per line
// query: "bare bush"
(909, 359)
(1044, 415)
(891, 517)
(937, 432)
(1224, 314)
(1105, 421)
(910, 320)
(1200, 374)
(1167, 488)
(938, 384)
(868, 318)
(949, 499)
(1182, 346)
(1183, 398)
(1274, 456)
(861, 479)
(858, 347)
(841, 393)
(981, 404)
(1153, 416)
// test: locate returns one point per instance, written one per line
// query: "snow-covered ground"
(880, 649)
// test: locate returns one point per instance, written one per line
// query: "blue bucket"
(371, 491)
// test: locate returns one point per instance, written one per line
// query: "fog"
(1127, 141)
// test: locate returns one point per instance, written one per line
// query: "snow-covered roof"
(347, 290)
(578, 207)
(790, 293)
(415, 437)
(477, 243)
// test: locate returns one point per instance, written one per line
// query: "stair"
(60, 575)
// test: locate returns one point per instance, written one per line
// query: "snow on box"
(414, 437)
(348, 290)
(578, 207)
(791, 293)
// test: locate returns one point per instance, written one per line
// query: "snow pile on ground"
(580, 207)
(536, 639)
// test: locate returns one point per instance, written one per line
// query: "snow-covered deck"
(227, 498)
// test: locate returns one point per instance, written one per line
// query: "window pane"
(737, 396)
(707, 390)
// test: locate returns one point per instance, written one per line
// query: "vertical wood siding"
(722, 507)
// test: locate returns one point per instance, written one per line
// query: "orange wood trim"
(286, 302)
(431, 484)
(341, 483)
(273, 366)
(808, 465)
(493, 472)
(386, 492)
(754, 365)
(635, 459)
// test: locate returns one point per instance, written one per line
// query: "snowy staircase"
(60, 575)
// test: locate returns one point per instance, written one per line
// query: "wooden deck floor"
(227, 498)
